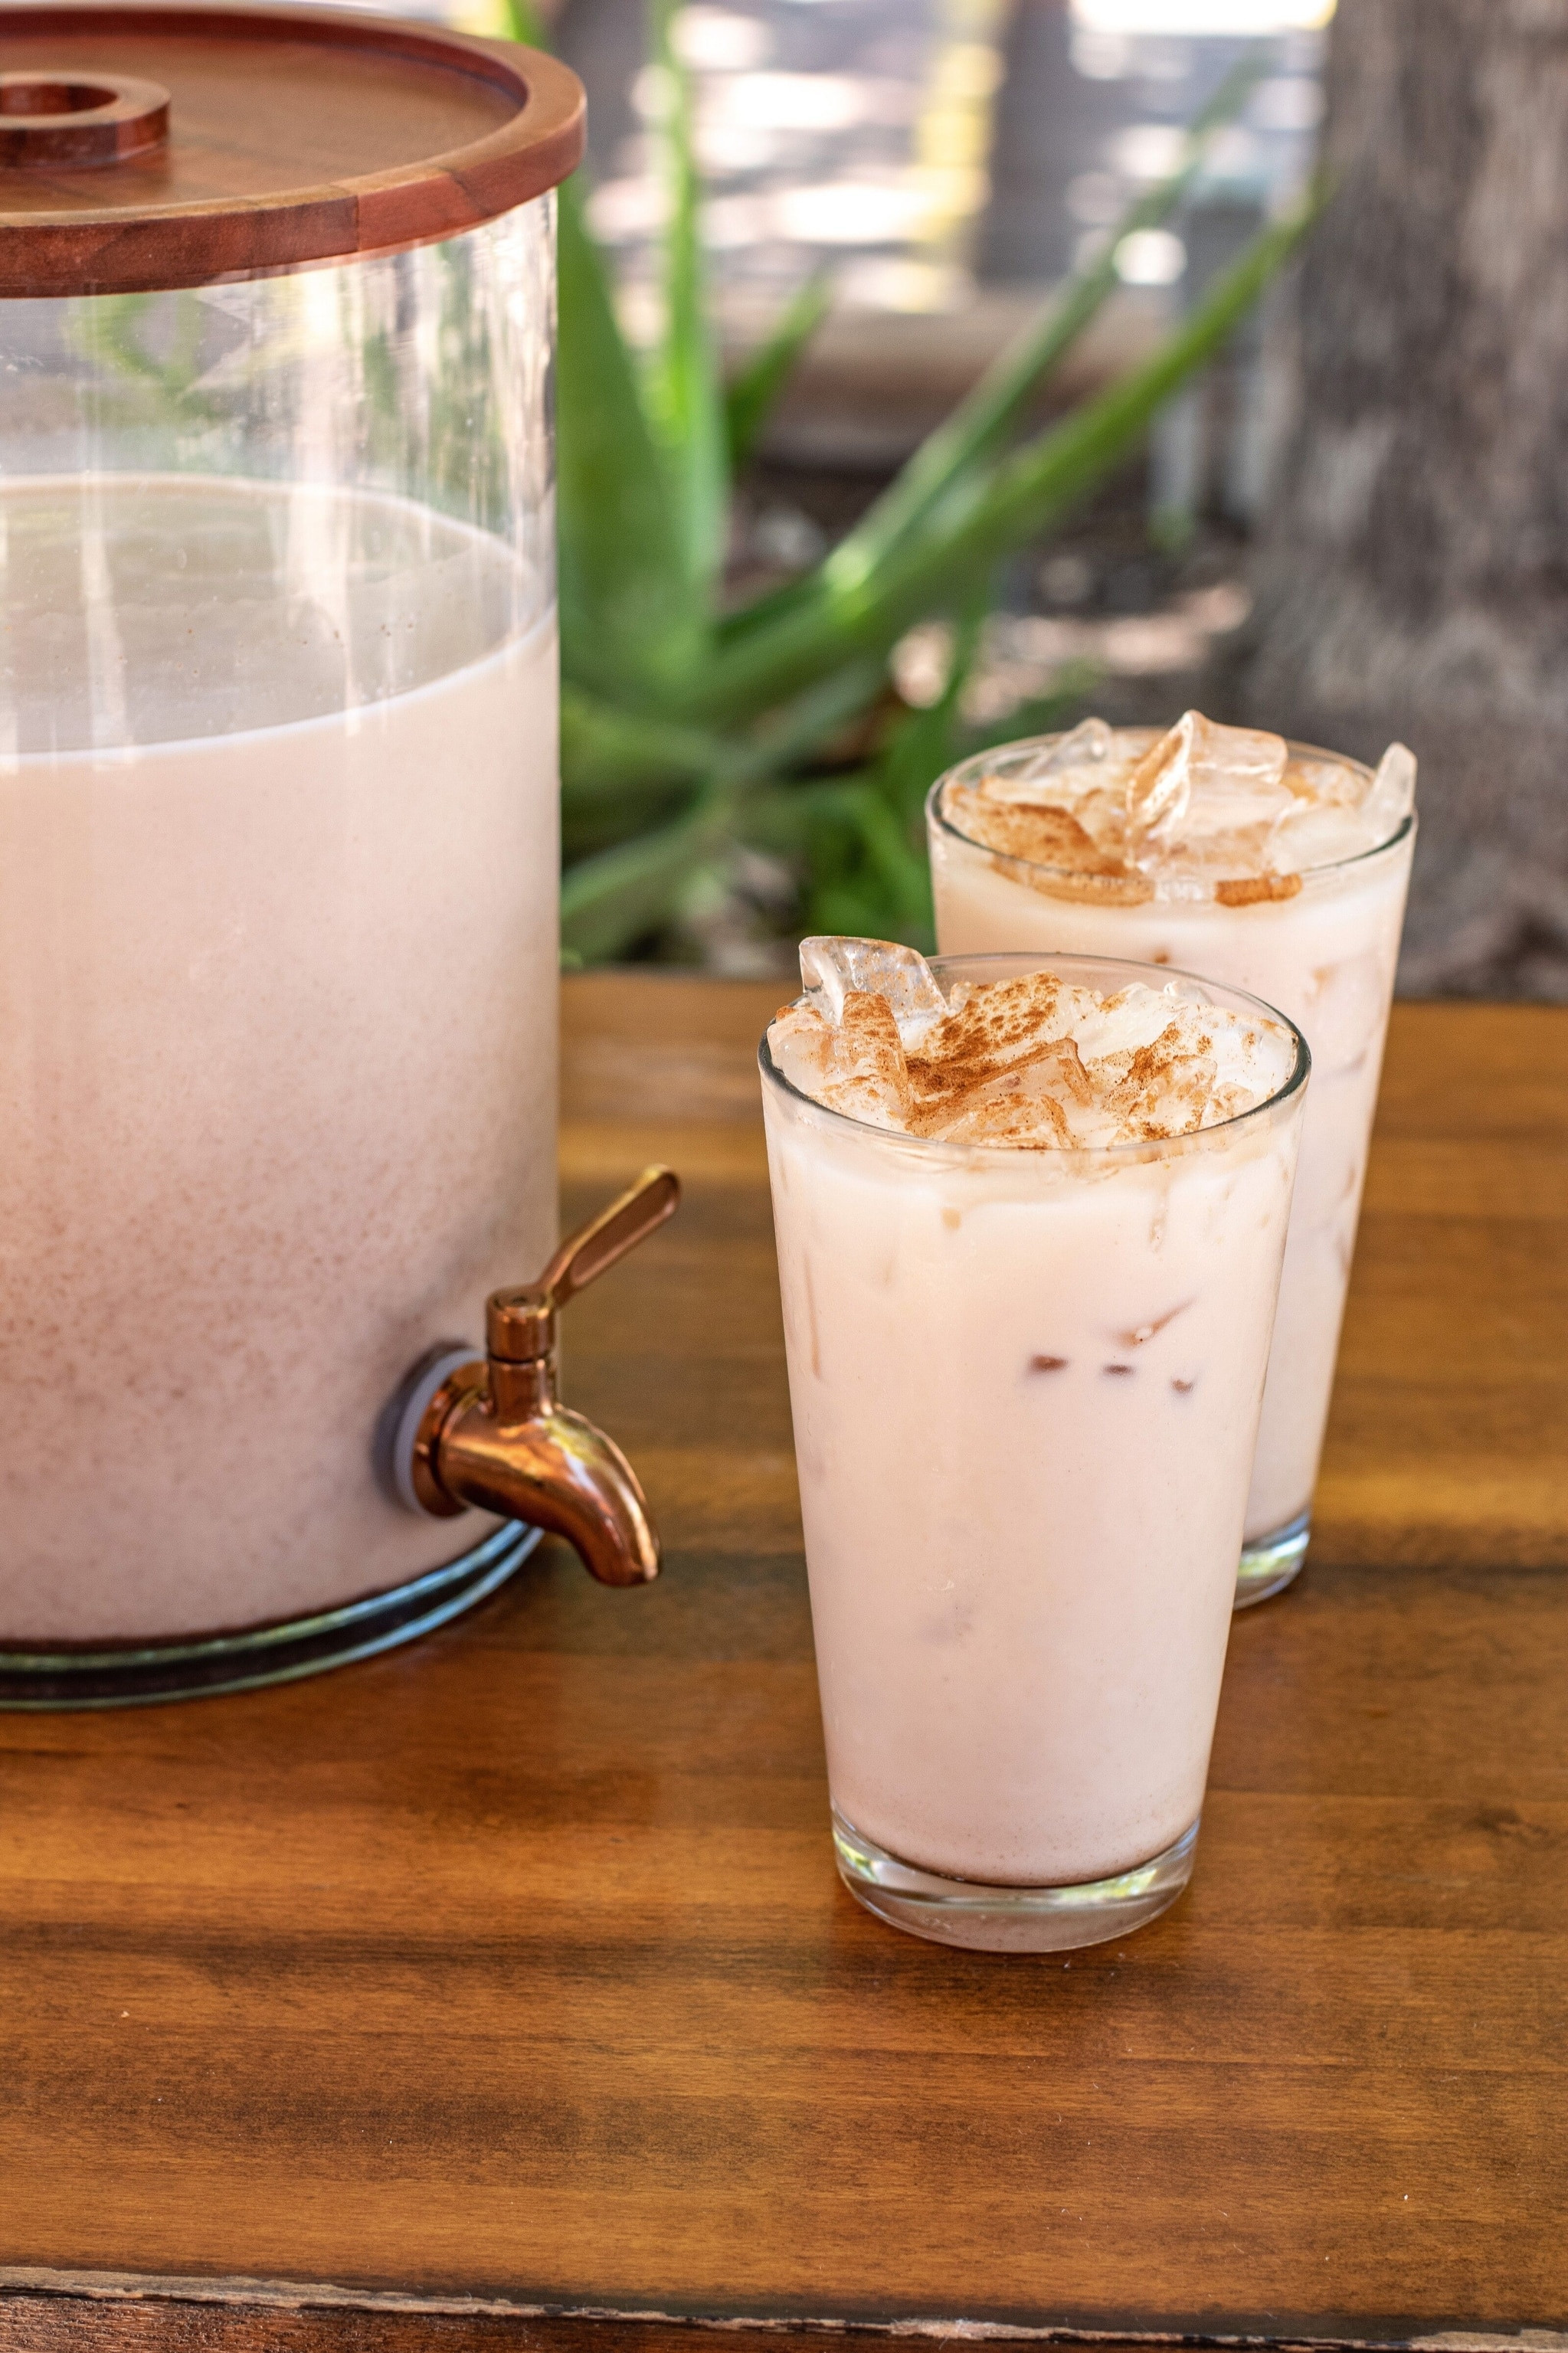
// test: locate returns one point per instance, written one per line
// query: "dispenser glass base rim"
(1010, 1919)
(141, 1674)
(1268, 1564)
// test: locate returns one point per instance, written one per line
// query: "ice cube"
(1161, 1062)
(1020, 1108)
(1308, 836)
(998, 1026)
(834, 969)
(1392, 794)
(1175, 1083)
(869, 1078)
(802, 1045)
(1331, 821)
(1040, 832)
(1325, 784)
(1348, 1008)
(1201, 779)
(1032, 1102)
(1037, 1063)
(1168, 1092)
(1040, 776)
(1119, 1026)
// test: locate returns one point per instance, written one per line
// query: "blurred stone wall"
(1413, 577)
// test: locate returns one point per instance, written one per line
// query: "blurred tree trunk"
(1414, 577)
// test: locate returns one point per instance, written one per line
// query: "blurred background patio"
(945, 164)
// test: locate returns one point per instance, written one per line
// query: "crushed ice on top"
(1230, 810)
(1036, 1063)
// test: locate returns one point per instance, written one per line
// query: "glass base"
(140, 1675)
(1268, 1564)
(1010, 1919)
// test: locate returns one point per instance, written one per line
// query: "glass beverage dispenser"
(277, 845)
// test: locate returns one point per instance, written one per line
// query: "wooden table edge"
(42, 2310)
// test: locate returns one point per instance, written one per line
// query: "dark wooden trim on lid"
(208, 204)
(53, 121)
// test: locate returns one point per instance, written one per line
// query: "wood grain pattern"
(295, 135)
(511, 1972)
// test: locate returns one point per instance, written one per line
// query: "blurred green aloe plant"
(693, 728)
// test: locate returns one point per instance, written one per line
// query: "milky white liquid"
(1022, 1578)
(1327, 958)
(277, 1035)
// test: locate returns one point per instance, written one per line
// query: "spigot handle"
(520, 1325)
(461, 1434)
(584, 1255)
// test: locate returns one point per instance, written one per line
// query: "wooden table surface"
(501, 1991)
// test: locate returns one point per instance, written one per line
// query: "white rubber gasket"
(423, 1383)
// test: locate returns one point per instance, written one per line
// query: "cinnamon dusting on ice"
(1036, 1063)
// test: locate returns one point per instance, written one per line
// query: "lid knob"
(64, 120)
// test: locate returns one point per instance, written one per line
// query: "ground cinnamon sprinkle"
(1031, 1061)
(1249, 889)
(1125, 890)
(1041, 832)
(995, 1029)
(1120, 815)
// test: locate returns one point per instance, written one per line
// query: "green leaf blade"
(994, 513)
(611, 901)
(685, 399)
(627, 613)
(754, 392)
(981, 424)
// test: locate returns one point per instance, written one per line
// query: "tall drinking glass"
(1025, 1386)
(1326, 954)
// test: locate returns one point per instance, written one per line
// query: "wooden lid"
(145, 147)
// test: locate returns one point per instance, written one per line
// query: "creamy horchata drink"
(1275, 868)
(251, 1162)
(1029, 1215)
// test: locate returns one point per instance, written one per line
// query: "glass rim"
(1015, 1155)
(937, 815)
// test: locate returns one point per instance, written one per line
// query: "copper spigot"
(493, 1436)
